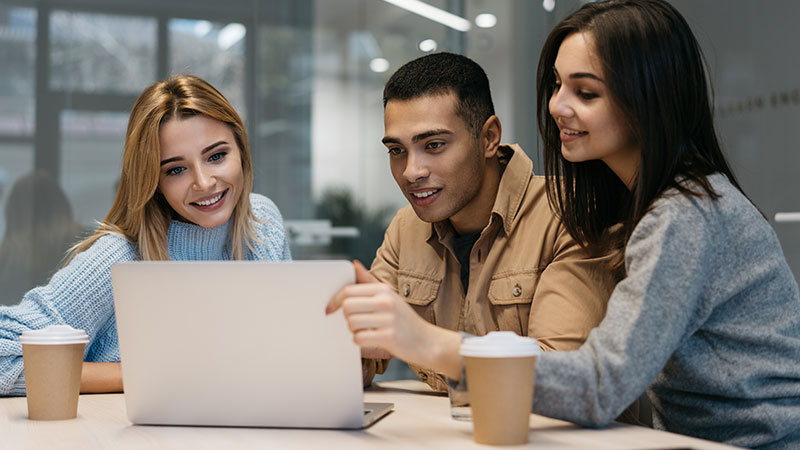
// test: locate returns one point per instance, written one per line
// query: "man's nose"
(416, 167)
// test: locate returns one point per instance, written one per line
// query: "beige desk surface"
(421, 419)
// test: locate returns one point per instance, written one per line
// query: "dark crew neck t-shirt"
(462, 246)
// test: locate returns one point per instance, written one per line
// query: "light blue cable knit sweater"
(80, 294)
(708, 317)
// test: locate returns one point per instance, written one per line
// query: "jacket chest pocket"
(418, 291)
(510, 295)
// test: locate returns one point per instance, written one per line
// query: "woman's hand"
(380, 319)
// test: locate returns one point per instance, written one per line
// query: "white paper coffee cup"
(500, 369)
(53, 359)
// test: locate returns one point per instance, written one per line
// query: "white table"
(421, 419)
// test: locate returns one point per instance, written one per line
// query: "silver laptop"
(238, 344)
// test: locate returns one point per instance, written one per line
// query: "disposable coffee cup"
(500, 370)
(53, 359)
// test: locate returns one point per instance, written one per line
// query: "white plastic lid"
(54, 335)
(500, 344)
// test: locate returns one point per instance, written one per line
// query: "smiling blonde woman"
(184, 194)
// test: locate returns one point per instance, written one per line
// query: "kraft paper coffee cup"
(500, 369)
(53, 359)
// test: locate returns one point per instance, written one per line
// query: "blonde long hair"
(140, 212)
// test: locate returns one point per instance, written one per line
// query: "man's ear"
(491, 132)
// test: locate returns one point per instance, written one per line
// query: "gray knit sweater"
(708, 317)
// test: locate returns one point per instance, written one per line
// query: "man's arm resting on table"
(101, 377)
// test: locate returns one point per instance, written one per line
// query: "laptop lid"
(234, 343)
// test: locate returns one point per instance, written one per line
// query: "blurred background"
(307, 77)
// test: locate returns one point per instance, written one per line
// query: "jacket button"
(406, 290)
(517, 291)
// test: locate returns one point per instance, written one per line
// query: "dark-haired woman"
(706, 316)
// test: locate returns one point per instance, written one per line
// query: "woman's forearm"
(98, 378)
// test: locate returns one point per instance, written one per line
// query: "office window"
(281, 129)
(17, 76)
(101, 52)
(91, 161)
(213, 51)
(17, 106)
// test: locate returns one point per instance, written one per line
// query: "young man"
(479, 248)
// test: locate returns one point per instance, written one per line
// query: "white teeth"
(572, 132)
(424, 194)
(210, 201)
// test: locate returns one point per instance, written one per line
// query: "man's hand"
(380, 319)
(363, 276)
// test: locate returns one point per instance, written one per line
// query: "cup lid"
(500, 344)
(54, 335)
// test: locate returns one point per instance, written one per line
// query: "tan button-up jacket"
(526, 274)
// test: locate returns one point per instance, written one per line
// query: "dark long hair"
(656, 76)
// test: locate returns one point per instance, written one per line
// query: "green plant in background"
(339, 206)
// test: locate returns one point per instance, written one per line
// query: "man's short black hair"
(441, 73)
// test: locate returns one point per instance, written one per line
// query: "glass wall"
(307, 76)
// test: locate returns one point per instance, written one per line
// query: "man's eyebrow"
(430, 133)
(205, 150)
(418, 137)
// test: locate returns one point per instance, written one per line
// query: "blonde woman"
(184, 194)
